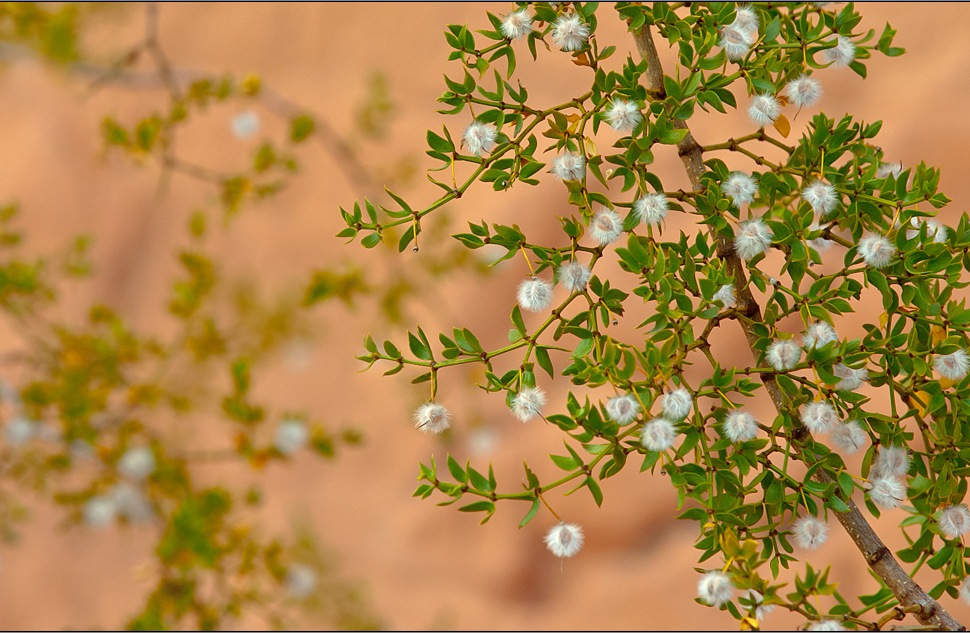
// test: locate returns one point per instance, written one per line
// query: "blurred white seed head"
(658, 435)
(820, 244)
(622, 409)
(479, 137)
(623, 116)
(892, 461)
(955, 521)
(934, 230)
(432, 417)
(652, 208)
(952, 366)
(517, 24)
(528, 403)
(570, 33)
(740, 188)
(534, 294)
(746, 20)
(783, 355)
(851, 379)
(819, 335)
(19, 430)
(569, 166)
(245, 124)
(574, 276)
(137, 463)
(291, 436)
(821, 196)
(677, 404)
(130, 502)
(740, 426)
(819, 417)
(99, 511)
(725, 294)
(715, 588)
(753, 238)
(606, 226)
(300, 581)
(736, 42)
(803, 92)
(761, 610)
(887, 492)
(565, 540)
(842, 54)
(849, 436)
(876, 251)
(885, 169)
(965, 591)
(810, 532)
(764, 109)
(826, 625)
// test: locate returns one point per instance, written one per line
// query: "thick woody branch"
(910, 595)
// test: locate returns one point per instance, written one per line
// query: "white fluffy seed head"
(528, 404)
(740, 188)
(892, 461)
(479, 137)
(819, 417)
(137, 463)
(652, 208)
(658, 435)
(534, 294)
(887, 492)
(19, 430)
(746, 20)
(764, 109)
(245, 124)
(570, 33)
(965, 591)
(783, 355)
(820, 244)
(573, 276)
(821, 196)
(606, 226)
(715, 588)
(803, 92)
(622, 409)
(876, 251)
(934, 230)
(753, 238)
(952, 366)
(761, 610)
(736, 42)
(565, 540)
(885, 169)
(810, 532)
(849, 437)
(291, 436)
(517, 24)
(99, 511)
(300, 581)
(851, 379)
(819, 335)
(432, 417)
(623, 116)
(725, 294)
(740, 426)
(842, 54)
(569, 166)
(130, 502)
(826, 625)
(677, 404)
(955, 521)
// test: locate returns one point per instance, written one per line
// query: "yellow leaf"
(749, 624)
(581, 59)
(884, 319)
(939, 333)
(920, 403)
(783, 125)
(946, 383)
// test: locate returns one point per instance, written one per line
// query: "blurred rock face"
(423, 566)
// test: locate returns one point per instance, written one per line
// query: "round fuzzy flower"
(300, 581)
(761, 610)
(431, 417)
(887, 492)
(821, 195)
(715, 588)
(783, 355)
(892, 461)
(889, 168)
(746, 20)
(624, 115)
(130, 502)
(810, 532)
(955, 521)
(764, 109)
(741, 188)
(826, 625)
(819, 417)
(569, 166)
(19, 431)
(622, 409)
(570, 33)
(842, 54)
(565, 539)
(852, 379)
(677, 404)
(849, 437)
(725, 294)
(528, 403)
(952, 366)
(534, 294)
(819, 335)
(573, 276)
(740, 426)
(99, 511)
(965, 591)
(736, 42)
(934, 230)
(291, 436)
(245, 124)
(606, 227)
(479, 137)
(137, 463)
(804, 92)
(658, 435)
(876, 251)
(517, 24)
(651, 208)
(754, 237)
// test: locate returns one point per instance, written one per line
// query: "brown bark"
(928, 611)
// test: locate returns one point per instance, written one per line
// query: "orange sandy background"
(420, 566)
